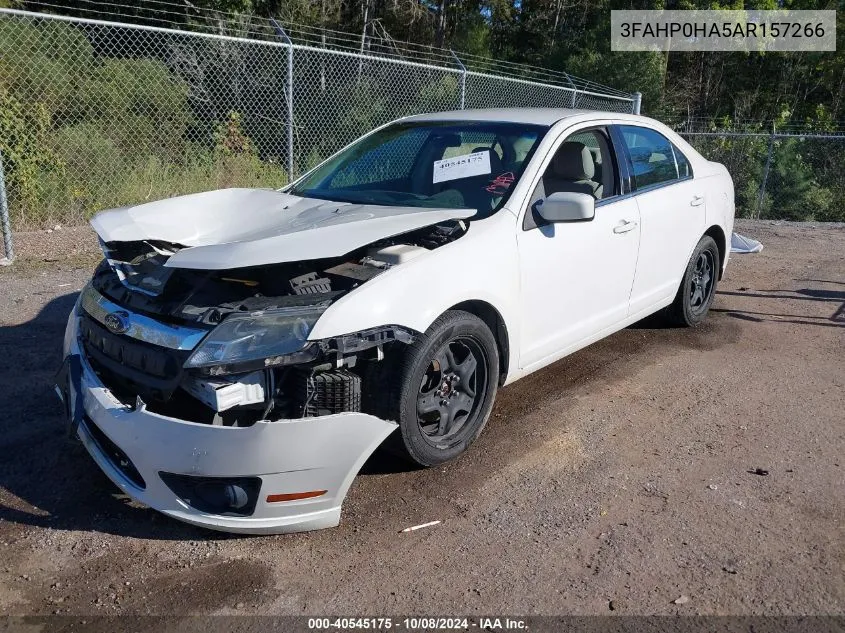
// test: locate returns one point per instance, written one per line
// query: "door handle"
(624, 227)
(696, 201)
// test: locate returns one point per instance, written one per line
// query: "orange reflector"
(295, 496)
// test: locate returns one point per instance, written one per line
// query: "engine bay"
(134, 275)
(324, 377)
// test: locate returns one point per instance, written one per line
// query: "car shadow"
(656, 321)
(835, 320)
(804, 294)
(760, 317)
(47, 479)
(386, 462)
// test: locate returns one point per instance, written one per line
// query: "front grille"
(128, 366)
(114, 454)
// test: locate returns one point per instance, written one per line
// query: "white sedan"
(239, 354)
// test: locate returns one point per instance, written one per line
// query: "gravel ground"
(622, 477)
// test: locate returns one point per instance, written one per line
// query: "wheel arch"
(719, 237)
(493, 319)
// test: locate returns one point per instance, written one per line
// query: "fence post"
(574, 90)
(463, 79)
(290, 111)
(765, 173)
(4, 219)
(289, 86)
(638, 102)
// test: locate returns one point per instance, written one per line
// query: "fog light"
(233, 496)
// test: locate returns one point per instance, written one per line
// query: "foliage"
(568, 35)
(230, 140)
(794, 190)
(86, 125)
(805, 180)
(25, 153)
(81, 132)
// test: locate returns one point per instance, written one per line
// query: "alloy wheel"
(452, 389)
(701, 283)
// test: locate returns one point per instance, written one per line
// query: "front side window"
(652, 156)
(582, 164)
(454, 164)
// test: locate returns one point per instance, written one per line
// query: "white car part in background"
(742, 244)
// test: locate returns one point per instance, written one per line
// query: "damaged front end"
(199, 392)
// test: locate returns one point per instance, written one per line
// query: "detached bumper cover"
(289, 456)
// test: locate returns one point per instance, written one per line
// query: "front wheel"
(698, 287)
(442, 389)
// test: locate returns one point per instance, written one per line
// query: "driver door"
(576, 277)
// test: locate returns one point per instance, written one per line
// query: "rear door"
(672, 214)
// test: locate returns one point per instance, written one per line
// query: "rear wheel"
(698, 287)
(442, 389)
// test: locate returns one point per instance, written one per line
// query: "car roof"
(535, 116)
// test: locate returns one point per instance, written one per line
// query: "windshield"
(463, 164)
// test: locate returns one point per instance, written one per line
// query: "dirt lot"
(623, 474)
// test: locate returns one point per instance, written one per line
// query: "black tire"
(425, 377)
(698, 287)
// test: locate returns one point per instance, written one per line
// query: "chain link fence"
(97, 114)
(780, 175)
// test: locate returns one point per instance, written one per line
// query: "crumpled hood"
(234, 228)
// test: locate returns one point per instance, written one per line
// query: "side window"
(582, 164)
(684, 169)
(652, 156)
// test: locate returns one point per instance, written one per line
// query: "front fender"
(482, 265)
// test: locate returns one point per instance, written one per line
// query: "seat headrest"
(573, 161)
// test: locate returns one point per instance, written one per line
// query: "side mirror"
(566, 206)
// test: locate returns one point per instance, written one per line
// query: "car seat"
(572, 169)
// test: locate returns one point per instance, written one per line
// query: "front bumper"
(288, 456)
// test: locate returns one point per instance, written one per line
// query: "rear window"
(652, 156)
(684, 169)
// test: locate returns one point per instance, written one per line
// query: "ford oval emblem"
(117, 322)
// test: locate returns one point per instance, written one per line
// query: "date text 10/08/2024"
(417, 623)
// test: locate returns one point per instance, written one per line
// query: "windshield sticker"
(464, 166)
(501, 184)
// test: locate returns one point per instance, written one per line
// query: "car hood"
(236, 228)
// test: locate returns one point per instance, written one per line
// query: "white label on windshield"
(464, 166)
